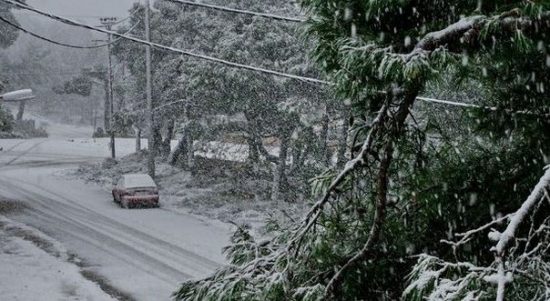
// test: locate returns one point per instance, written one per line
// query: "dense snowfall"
(274, 150)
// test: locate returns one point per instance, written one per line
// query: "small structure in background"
(19, 128)
(19, 95)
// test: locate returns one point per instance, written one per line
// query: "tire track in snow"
(128, 254)
(113, 247)
(207, 263)
(48, 163)
(24, 153)
(158, 254)
(14, 146)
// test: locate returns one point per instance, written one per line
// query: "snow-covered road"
(144, 253)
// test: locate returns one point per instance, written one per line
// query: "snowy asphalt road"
(144, 253)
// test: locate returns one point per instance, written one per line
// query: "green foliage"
(8, 34)
(81, 85)
(6, 120)
(451, 171)
(228, 283)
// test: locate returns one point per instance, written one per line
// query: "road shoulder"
(36, 267)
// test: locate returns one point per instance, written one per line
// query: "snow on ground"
(30, 273)
(143, 254)
(228, 195)
(60, 149)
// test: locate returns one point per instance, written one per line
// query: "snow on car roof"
(138, 180)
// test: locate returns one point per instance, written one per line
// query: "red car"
(136, 190)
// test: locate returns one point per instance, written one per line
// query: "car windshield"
(138, 181)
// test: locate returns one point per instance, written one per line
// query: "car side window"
(120, 183)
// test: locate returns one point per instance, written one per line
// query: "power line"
(229, 63)
(46, 71)
(60, 43)
(452, 103)
(474, 106)
(68, 16)
(168, 48)
(238, 11)
(47, 39)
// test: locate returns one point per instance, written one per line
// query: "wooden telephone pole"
(150, 114)
(108, 24)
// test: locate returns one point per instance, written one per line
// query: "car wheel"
(124, 204)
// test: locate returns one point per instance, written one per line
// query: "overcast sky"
(85, 8)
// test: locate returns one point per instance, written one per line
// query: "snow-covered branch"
(519, 216)
(451, 33)
(358, 161)
(430, 276)
(509, 235)
(470, 29)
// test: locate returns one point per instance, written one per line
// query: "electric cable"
(238, 11)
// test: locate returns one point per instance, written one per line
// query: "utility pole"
(150, 115)
(108, 24)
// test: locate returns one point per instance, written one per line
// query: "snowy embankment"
(36, 267)
(220, 192)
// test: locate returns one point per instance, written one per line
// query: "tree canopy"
(413, 180)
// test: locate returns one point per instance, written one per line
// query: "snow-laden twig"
(528, 262)
(519, 216)
(466, 236)
(508, 236)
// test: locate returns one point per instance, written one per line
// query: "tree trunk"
(138, 138)
(166, 144)
(325, 152)
(157, 139)
(190, 151)
(251, 139)
(253, 153)
(106, 109)
(175, 157)
(343, 140)
(21, 110)
(94, 119)
(279, 171)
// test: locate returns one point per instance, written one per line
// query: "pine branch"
(382, 196)
(359, 161)
(521, 214)
(508, 236)
(450, 34)
(468, 30)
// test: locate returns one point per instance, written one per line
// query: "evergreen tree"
(412, 181)
(8, 34)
